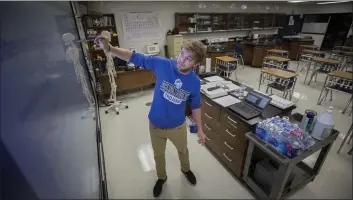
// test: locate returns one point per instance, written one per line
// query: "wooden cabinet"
(225, 135)
(267, 21)
(219, 22)
(234, 21)
(185, 22)
(126, 80)
(248, 51)
(293, 46)
(279, 20)
(247, 22)
(204, 22)
(214, 22)
(259, 54)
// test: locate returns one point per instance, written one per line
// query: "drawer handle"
(232, 125)
(224, 154)
(208, 104)
(230, 133)
(207, 137)
(232, 120)
(209, 117)
(231, 148)
(207, 127)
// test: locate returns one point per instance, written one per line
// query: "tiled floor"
(130, 165)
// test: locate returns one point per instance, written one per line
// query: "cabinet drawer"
(233, 126)
(208, 118)
(234, 150)
(212, 140)
(233, 139)
(211, 108)
(235, 166)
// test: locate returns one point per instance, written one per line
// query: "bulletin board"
(139, 26)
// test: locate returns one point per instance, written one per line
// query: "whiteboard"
(314, 27)
(139, 26)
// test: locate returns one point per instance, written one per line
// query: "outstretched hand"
(102, 42)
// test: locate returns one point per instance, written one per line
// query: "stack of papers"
(227, 101)
(280, 102)
(214, 79)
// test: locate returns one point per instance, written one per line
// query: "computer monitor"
(257, 99)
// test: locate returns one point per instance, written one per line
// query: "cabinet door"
(246, 21)
(234, 22)
(257, 21)
(279, 20)
(268, 21)
(259, 54)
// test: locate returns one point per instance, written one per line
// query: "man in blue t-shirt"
(176, 85)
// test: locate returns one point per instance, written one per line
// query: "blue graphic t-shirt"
(172, 90)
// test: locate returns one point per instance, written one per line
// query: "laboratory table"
(225, 130)
(254, 52)
(293, 46)
(278, 53)
(127, 80)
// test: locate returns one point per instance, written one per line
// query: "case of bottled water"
(284, 136)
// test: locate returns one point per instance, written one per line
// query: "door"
(337, 30)
(53, 149)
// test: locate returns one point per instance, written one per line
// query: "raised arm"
(141, 60)
(123, 54)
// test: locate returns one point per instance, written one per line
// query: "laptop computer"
(252, 106)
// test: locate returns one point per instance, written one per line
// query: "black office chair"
(285, 86)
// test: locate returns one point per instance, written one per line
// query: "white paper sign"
(141, 26)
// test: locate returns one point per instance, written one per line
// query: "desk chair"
(238, 54)
(324, 68)
(350, 131)
(285, 86)
(226, 68)
(306, 59)
(338, 85)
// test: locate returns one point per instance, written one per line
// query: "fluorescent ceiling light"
(331, 2)
(295, 1)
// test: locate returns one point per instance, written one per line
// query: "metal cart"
(303, 174)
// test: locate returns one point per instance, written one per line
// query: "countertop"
(297, 39)
(270, 110)
(254, 43)
(222, 49)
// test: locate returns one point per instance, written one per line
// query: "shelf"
(100, 26)
(188, 23)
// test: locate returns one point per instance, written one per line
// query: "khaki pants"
(178, 136)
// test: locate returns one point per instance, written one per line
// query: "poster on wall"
(291, 21)
(139, 26)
